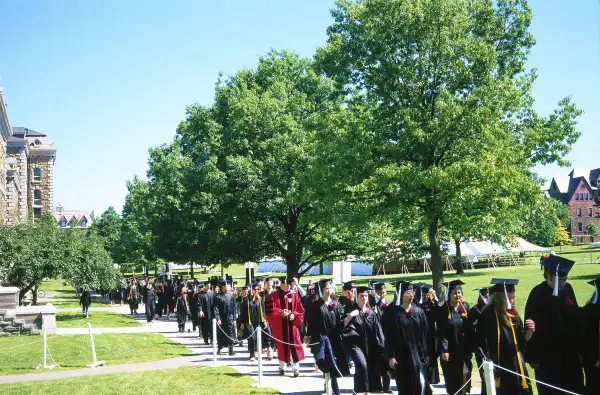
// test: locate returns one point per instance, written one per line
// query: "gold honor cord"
(512, 328)
(262, 317)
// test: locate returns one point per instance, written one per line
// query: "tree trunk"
(24, 291)
(291, 253)
(35, 294)
(437, 268)
(459, 264)
(192, 270)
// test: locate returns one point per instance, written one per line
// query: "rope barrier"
(292, 344)
(537, 381)
(238, 340)
(468, 381)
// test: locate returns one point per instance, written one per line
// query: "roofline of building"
(5, 128)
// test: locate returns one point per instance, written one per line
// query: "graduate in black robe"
(252, 317)
(454, 334)
(150, 302)
(327, 320)
(591, 325)
(205, 312)
(193, 298)
(225, 309)
(556, 347)
(267, 341)
(406, 338)
(502, 336)
(182, 309)
(430, 306)
(133, 297)
(363, 339)
(484, 293)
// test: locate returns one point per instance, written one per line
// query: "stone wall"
(2, 178)
(45, 164)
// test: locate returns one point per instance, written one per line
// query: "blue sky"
(106, 80)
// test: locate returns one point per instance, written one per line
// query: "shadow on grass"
(585, 277)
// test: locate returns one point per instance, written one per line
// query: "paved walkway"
(310, 382)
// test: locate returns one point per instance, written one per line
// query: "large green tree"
(108, 226)
(445, 108)
(253, 155)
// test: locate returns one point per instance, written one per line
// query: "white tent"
(522, 245)
(595, 244)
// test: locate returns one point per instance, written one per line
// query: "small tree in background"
(562, 236)
(592, 230)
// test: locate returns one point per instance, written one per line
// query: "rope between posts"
(238, 340)
(291, 344)
(468, 381)
(537, 381)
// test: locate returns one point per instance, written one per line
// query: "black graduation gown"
(431, 311)
(474, 315)
(251, 318)
(556, 344)
(225, 309)
(364, 340)
(591, 324)
(487, 340)
(267, 340)
(406, 340)
(454, 334)
(328, 321)
(133, 297)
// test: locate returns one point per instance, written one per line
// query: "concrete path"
(310, 381)
(134, 367)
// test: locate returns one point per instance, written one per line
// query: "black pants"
(181, 318)
(194, 313)
(561, 375)
(205, 329)
(365, 379)
(149, 312)
(252, 342)
(267, 341)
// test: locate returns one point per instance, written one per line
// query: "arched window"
(63, 222)
(83, 222)
(37, 197)
(37, 175)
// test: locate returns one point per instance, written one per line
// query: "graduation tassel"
(398, 295)
(595, 300)
(448, 293)
(555, 293)
(508, 305)
(320, 292)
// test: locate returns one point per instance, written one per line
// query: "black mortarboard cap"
(596, 284)
(378, 286)
(363, 288)
(245, 287)
(400, 287)
(503, 285)
(499, 284)
(222, 282)
(282, 280)
(451, 286)
(206, 282)
(557, 264)
(348, 286)
(268, 279)
(321, 284)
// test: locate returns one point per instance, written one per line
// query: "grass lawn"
(98, 319)
(64, 295)
(21, 354)
(204, 381)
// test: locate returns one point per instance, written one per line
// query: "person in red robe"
(285, 314)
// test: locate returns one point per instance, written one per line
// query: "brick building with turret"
(579, 190)
(27, 165)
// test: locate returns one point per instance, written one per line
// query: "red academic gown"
(282, 328)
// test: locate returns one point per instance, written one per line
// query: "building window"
(37, 175)
(37, 197)
(579, 212)
(576, 196)
(589, 212)
(83, 223)
(37, 212)
(579, 226)
(73, 221)
(63, 222)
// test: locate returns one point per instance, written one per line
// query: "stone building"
(73, 218)
(579, 190)
(27, 162)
